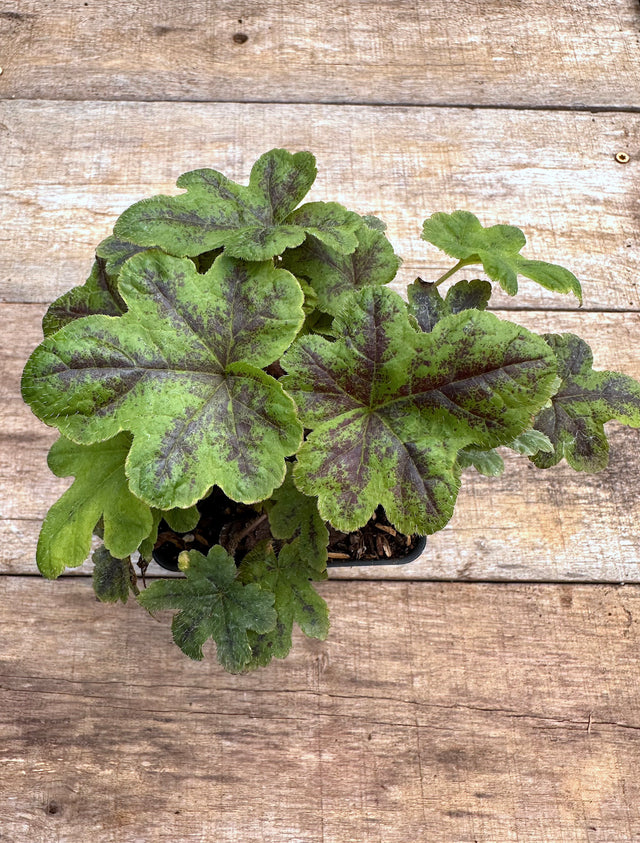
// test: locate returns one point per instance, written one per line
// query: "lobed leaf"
(334, 275)
(99, 294)
(253, 223)
(497, 248)
(212, 603)
(585, 401)
(100, 491)
(428, 307)
(288, 577)
(293, 514)
(114, 253)
(112, 578)
(169, 371)
(389, 407)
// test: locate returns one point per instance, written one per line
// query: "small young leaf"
(389, 407)
(531, 442)
(497, 248)
(584, 402)
(99, 294)
(428, 307)
(213, 603)
(291, 513)
(489, 463)
(113, 578)
(334, 276)
(168, 370)
(468, 295)
(254, 223)
(288, 577)
(182, 520)
(100, 491)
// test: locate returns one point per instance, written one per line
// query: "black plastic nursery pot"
(238, 528)
(167, 558)
(420, 542)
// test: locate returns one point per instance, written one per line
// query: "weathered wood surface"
(479, 52)
(69, 169)
(527, 524)
(453, 713)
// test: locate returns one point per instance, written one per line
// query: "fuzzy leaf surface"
(428, 306)
(100, 491)
(213, 603)
(584, 402)
(334, 276)
(489, 463)
(115, 252)
(99, 294)
(390, 407)
(288, 577)
(292, 514)
(113, 578)
(169, 371)
(254, 222)
(497, 248)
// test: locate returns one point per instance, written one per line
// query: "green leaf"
(428, 307)
(113, 578)
(253, 223)
(497, 248)
(585, 400)
(168, 370)
(146, 546)
(334, 276)
(293, 514)
(100, 490)
(288, 577)
(531, 442)
(390, 407)
(491, 464)
(212, 603)
(488, 463)
(115, 252)
(99, 294)
(182, 520)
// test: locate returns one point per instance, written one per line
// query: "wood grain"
(556, 525)
(448, 712)
(553, 174)
(480, 52)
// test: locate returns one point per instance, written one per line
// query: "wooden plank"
(527, 524)
(496, 52)
(467, 713)
(70, 168)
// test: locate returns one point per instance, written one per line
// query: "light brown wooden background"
(439, 710)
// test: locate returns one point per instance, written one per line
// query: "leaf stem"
(459, 265)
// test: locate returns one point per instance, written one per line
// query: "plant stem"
(459, 265)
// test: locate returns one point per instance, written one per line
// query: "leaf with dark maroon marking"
(288, 576)
(334, 276)
(254, 222)
(169, 371)
(99, 294)
(390, 407)
(428, 306)
(115, 253)
(584, 402)
(497, 248)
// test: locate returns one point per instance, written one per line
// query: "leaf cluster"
(231, 336)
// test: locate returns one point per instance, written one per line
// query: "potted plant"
(236, 384)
